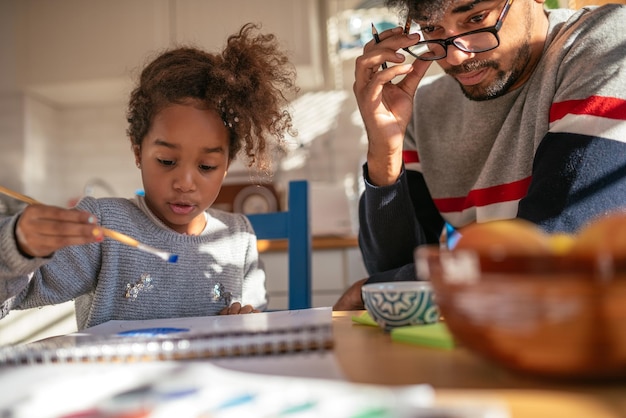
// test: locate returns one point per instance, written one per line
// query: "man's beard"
(503, 81)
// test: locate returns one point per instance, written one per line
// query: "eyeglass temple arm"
(407, 25)
(503, 13)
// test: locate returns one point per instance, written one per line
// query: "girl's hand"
(42, 229)
(236, 309)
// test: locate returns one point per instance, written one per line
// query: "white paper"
(264, 321)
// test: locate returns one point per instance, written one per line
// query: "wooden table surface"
(366, 354)
(317, 243)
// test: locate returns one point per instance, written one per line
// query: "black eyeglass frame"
(450, 41)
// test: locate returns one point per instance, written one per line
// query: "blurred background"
(67, 68)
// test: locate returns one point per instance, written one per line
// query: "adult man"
(529, 121)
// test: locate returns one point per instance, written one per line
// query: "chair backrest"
(294, 226)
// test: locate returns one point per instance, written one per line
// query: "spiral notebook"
(260, 334)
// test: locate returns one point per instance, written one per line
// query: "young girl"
(190, 115)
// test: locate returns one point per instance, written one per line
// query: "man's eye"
(478, 18)
(167, 163)
(428, 29)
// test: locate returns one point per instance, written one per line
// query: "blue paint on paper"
(152, 332)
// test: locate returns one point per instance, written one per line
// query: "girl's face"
(183, 160)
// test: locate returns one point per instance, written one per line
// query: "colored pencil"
(377, 39)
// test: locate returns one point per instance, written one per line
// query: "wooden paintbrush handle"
(18, 196)
(118, 236)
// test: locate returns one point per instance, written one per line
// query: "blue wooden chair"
(293, 225)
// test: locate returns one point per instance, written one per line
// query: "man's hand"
(386, 108)
(351, 300)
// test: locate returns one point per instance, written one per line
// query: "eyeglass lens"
(480, 40)
(475, 42)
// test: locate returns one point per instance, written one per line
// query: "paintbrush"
(118, 236)
(377, 39)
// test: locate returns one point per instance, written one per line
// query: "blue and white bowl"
(398, 304)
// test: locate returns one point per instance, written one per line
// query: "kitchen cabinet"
(73, 52)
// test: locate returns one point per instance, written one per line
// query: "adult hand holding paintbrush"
(42, 229)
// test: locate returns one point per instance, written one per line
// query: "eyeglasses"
(479, 40)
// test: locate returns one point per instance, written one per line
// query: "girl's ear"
(137, 152)
(226, 171)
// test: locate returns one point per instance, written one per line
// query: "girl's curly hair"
(246, 84)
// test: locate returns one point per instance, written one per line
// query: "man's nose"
(457, 57)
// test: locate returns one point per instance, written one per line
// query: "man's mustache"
(470, 66)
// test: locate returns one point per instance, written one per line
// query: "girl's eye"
(207, 167)
(167, 163)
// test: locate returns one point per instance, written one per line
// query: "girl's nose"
(184, 181)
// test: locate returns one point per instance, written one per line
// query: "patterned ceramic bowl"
(398, 304)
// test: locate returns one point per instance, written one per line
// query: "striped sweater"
(553, 151)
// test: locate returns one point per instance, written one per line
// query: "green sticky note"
(364, 319)
(431, 335)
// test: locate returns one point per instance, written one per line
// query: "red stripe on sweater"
(606, 107)
(410, 157)
(484, 197)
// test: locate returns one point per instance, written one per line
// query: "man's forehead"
(434, 10)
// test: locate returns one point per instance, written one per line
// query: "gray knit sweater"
(110, 280)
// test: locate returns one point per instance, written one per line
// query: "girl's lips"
(471, 78)
(181, 209)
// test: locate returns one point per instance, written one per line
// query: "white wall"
(93, 139)
(12, 139)
(69, 65)
(41, 140)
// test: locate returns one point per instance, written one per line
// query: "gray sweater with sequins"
(110, 280)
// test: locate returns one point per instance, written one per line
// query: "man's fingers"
(414, 76)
